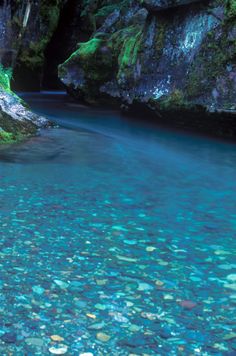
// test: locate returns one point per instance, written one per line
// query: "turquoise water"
(117, 238)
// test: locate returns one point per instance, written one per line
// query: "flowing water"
(117, 238)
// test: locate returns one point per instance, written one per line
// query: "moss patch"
(32, 56)
(95, 59)
(5, 78)
(211, 61)
(174, 101)
(231, 8)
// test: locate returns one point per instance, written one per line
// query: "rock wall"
(167, 55)
(18, 24)
(34, 38)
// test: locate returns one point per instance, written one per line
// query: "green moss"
(33, 55)
(88, 49)
(125, 46)
(211, 61)
(129, 51)
(5, 78)
(95, 59)
(231, 8)
(176, 100)
(50, 12)
(9, 138)
(6, 137)
(104, 11)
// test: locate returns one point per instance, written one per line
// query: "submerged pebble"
(103, 337)
(61, 284)
(34, 341)
(60, 349)
(56, 338)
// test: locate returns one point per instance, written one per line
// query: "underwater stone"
(9, 337)
(144, 287)
(56, 338)
(60, 349)
(61, 284)
(188, 304)
(231, 277)
(34, 341)
(230, 286)
(38, 290)
(103, 337)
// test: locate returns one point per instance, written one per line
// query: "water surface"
(117, 236)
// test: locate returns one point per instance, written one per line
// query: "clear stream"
(117, 238)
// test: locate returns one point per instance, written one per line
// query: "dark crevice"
(62, 44)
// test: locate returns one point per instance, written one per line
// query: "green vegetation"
(33, 54)
(9, 137)
(125, 46)
(6, 137)
(216, 53)
(88, 49)
(173, 101)
(231, 8)
(95, 59)
(5, 78)
(129, 51)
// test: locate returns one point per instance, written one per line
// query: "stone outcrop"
(16, 121)
(16, 21)
(180, 59)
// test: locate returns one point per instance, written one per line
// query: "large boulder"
(16, 121)
(18, 37)
(181, 60)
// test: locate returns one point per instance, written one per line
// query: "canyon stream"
(117, 238)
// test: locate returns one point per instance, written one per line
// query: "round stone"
(103, 337)
(56, 338)
(150, 248)
(188, 304)
(34, 341)
(231, 277)
(60, 349)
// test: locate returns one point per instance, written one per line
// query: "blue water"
(117, 238)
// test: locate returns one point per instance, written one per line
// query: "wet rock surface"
(17, 121)
(181, 60)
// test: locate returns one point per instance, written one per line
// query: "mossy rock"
(5, 78)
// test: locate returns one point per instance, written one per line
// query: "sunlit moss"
(89, 48)
(6, 137)
(5, 78)
(130, 50)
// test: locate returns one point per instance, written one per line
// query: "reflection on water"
(117, 238)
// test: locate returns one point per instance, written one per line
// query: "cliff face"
(19, 38)
(167, 55)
